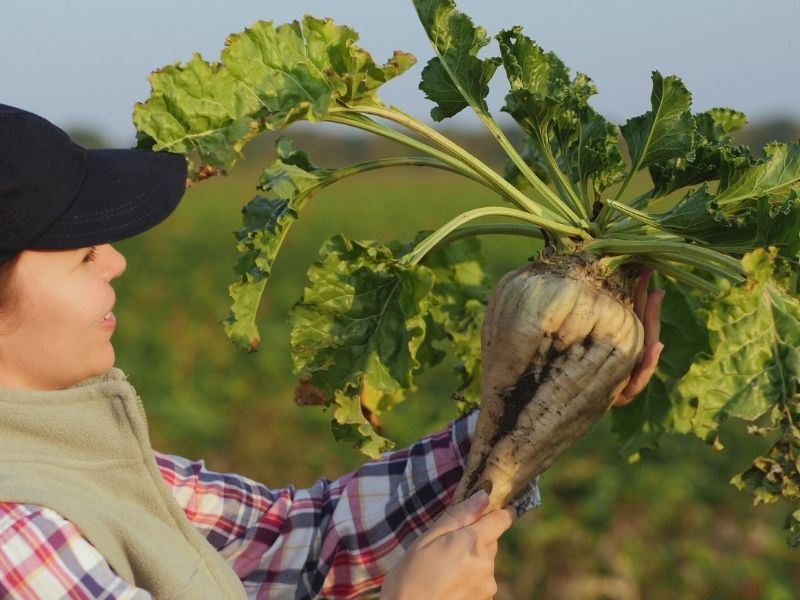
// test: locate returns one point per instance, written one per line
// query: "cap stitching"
(122, 226)
(108, 211)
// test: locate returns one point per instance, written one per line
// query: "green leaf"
(268, 77)
(289, 181)
(779, 224)
(463, 328)
(714, 152)
(778, 168)
(197, 106)
(665, 132)
(293, 174)
(456, 77)
(642, 423)
(697, 216)
(458, 304)
(552, 109)
(761, 222)
(714, 125)
(431, 352)
(266, 221)
(754, 357)
(350, 425)
(586, 147)
(361, 322)
(540, 85)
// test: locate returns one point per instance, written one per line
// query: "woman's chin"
(105, 361)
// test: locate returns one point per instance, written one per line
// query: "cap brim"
(125, 192)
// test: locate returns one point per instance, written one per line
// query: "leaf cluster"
(720, 226)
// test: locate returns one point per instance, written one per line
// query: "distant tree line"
(328, 146)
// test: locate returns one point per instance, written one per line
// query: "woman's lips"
(110, 320)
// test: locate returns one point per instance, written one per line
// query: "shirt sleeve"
(336, 539)
(42, 555)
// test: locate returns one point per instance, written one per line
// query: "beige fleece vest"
(85, 453)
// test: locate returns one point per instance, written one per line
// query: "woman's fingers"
(455, 558)
(649, 312)
(652, 317)
(459, 515)
(640, 292)
(492, 525)
(641, 376)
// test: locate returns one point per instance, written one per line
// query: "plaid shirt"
(336, 539)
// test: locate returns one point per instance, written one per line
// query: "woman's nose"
(116, 262)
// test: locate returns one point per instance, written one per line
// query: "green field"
(669, 526)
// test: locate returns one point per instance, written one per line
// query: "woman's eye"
(91, 255)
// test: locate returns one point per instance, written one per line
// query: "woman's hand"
(454, 559)
(648, 308)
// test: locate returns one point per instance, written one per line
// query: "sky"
(84, 63)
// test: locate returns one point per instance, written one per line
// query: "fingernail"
(660, 348)
(479, 499)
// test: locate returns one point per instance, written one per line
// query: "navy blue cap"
(56, 194)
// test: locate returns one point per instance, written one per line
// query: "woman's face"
(60, 325)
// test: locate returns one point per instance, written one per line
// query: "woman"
(89, 510)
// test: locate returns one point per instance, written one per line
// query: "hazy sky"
(85, 62)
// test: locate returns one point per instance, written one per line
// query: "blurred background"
(669, 526)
